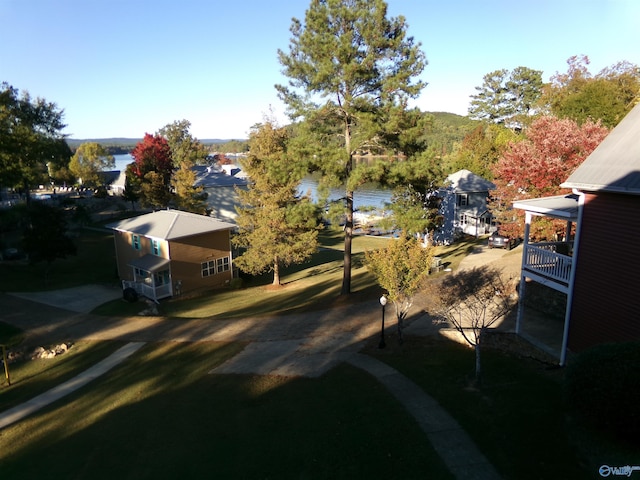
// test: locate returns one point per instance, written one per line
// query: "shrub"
(603, 384)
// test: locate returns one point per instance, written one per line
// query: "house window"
(463, 219)
(135, 242)
(155, 247)
(161, 278)
(212, 267)
(222, 264)
(462, 199)
(208, 268)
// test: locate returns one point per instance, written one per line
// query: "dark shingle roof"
(614, 166)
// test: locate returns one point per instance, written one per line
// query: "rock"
(41, 352)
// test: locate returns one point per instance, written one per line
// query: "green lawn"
(518, 418)
(160, 415)
(313, 285)
(30, 378)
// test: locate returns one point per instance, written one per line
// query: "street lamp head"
(383, 300)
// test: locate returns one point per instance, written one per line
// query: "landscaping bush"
(603, 384)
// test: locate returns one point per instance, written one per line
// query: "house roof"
(212, 177)
(150, 263)
(467, 181)
(614, 166)
(563, 207)
(170, 225)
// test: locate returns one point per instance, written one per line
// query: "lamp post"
(383, 302)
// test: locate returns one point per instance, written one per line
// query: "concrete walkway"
(21, 411)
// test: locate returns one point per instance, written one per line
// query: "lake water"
(368, 196)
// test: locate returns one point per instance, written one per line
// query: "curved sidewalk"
(449, 440)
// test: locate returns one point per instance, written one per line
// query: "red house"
(599, 268)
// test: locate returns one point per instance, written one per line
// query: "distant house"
(464, 206)
(220, 186)
(169, 251)
(114, 181)
(598, 268)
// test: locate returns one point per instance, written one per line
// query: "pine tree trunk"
(348, 226)
(276, 271)
(348, 238)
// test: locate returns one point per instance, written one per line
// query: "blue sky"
(121, 68)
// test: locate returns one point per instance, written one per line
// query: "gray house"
(220, 185)
(464, 206)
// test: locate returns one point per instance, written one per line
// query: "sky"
(123, 68)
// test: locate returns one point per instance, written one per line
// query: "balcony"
(549, 263)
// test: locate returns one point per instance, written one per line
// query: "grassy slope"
(161, 416)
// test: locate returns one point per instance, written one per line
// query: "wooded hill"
(120, 145)
(446, 130)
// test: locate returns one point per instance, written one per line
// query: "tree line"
(352, 72)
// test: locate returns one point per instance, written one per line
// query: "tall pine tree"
(351, 72)
(276, 226)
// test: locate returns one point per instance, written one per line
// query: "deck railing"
(153, 293)
(544, 259)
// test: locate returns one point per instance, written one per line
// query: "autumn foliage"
(536, 166)
(152, 154)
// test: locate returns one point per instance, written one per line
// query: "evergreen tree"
(507, 98)
(351, 72)
(186, 152)
(276, 226)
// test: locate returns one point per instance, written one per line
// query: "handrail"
(148, 291)
(547, 262)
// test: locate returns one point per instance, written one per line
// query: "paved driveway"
(81, 299)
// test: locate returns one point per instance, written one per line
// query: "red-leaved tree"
(153, 167)
(534, 167)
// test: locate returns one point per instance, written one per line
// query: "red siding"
(606, 302)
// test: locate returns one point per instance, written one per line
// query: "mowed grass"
(312, 285)
(29, 378)
(162, 415)
(517, 418)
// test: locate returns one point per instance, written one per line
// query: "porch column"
(523, 280)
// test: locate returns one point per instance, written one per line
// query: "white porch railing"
(543, 259)
(149, 291)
